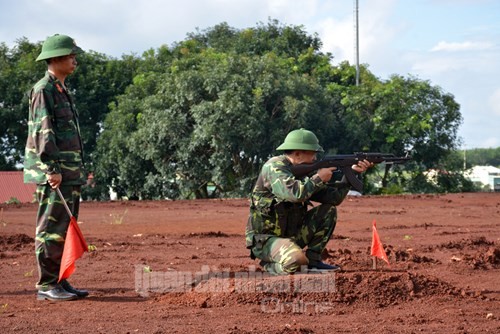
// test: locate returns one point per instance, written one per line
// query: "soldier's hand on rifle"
(325, 174)
(362, 166)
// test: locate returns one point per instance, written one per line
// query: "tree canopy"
(200, 117)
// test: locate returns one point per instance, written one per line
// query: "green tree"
(482, 157)
(229, 113)
(116, 165)
(18, 71)
(223, 99)
(216, 111)
(283, 40)
(402, 115)
(95, 84)
(209, 110)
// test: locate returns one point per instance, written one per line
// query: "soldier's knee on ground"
(294, 261)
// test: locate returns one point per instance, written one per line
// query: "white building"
(485, 175)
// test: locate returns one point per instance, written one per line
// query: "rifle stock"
(344, 163)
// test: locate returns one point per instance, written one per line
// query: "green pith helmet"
(57, 46)
(300, 139)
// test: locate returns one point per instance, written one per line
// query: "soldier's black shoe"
(57, 294)
(321, 266)
(79, 293)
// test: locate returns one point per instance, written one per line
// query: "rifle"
(344, 163)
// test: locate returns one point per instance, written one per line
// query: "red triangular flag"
(377, 247)
(74, 247)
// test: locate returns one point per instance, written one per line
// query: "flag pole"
(377, 249)
(64, 202)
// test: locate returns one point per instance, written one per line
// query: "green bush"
(13, 200)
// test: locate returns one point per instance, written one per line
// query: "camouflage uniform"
(280, 226)
(53, 146)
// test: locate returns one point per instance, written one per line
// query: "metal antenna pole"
(356, 10)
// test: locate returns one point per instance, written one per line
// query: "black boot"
(57, 294)
(321, 266)
(79, 293)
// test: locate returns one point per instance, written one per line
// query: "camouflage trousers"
(281, 256)
(51, 226)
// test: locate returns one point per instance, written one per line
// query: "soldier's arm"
(42, 134)
(331, 195)
(288, 188)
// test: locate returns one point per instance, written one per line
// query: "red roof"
(13, 186)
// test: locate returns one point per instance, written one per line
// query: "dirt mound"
(489, 259)
(379, 289)
(357, 259)
(15, 241)
(408, 255)
(210, 234)
(471, 243)
(385, 289)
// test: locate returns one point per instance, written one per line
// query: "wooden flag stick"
(64, 202)
(374, 261)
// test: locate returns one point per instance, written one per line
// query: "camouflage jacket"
(54, 145)
(279, 199)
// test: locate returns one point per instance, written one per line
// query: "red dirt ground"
(182, 267)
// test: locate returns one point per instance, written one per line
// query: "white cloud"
(494, 101)
(490, 142)
(337, 38)
(463, 46)
(292, 10)
(432, 66)
(376, 33)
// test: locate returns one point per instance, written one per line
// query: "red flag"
(377, 247)
(74, 247)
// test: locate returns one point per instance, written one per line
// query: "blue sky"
(455, 44)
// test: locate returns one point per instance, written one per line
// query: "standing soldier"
(279, 225)
(54, 159)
